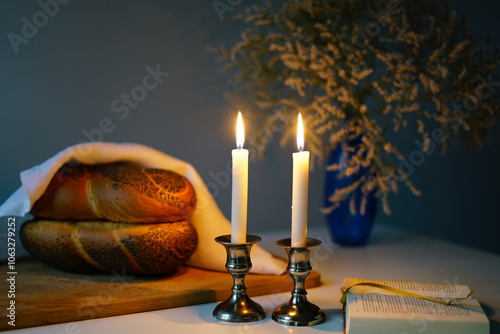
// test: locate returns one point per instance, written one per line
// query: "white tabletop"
(392, 254)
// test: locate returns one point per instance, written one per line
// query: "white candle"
(240, 186)
(300, 189)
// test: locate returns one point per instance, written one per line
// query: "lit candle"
(300, 189)
(240, 186)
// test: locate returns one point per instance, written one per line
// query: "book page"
(376, 313)
(426, 289)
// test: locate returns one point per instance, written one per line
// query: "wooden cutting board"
(45, 295)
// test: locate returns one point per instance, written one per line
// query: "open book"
(373, 310)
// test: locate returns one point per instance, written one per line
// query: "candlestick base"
(298, 311)
(238, 307)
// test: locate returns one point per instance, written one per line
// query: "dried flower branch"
(365, 69)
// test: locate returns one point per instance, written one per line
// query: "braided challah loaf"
(94, 246)
(117, 192)
(113, 217)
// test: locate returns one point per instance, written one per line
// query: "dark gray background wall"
(63, 81)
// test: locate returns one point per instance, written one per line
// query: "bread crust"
(104, 246)
(118, 192)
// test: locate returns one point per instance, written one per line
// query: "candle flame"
(240, 131)
(300, 133)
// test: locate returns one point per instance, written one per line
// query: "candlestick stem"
(298, 311)
(238, 307)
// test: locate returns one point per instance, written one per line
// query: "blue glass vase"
(347, 228)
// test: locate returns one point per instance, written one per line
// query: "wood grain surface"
(45, 295)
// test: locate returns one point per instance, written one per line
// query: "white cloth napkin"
(206, 218)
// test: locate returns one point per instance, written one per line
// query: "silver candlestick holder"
(298, 311)
(238, 307)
